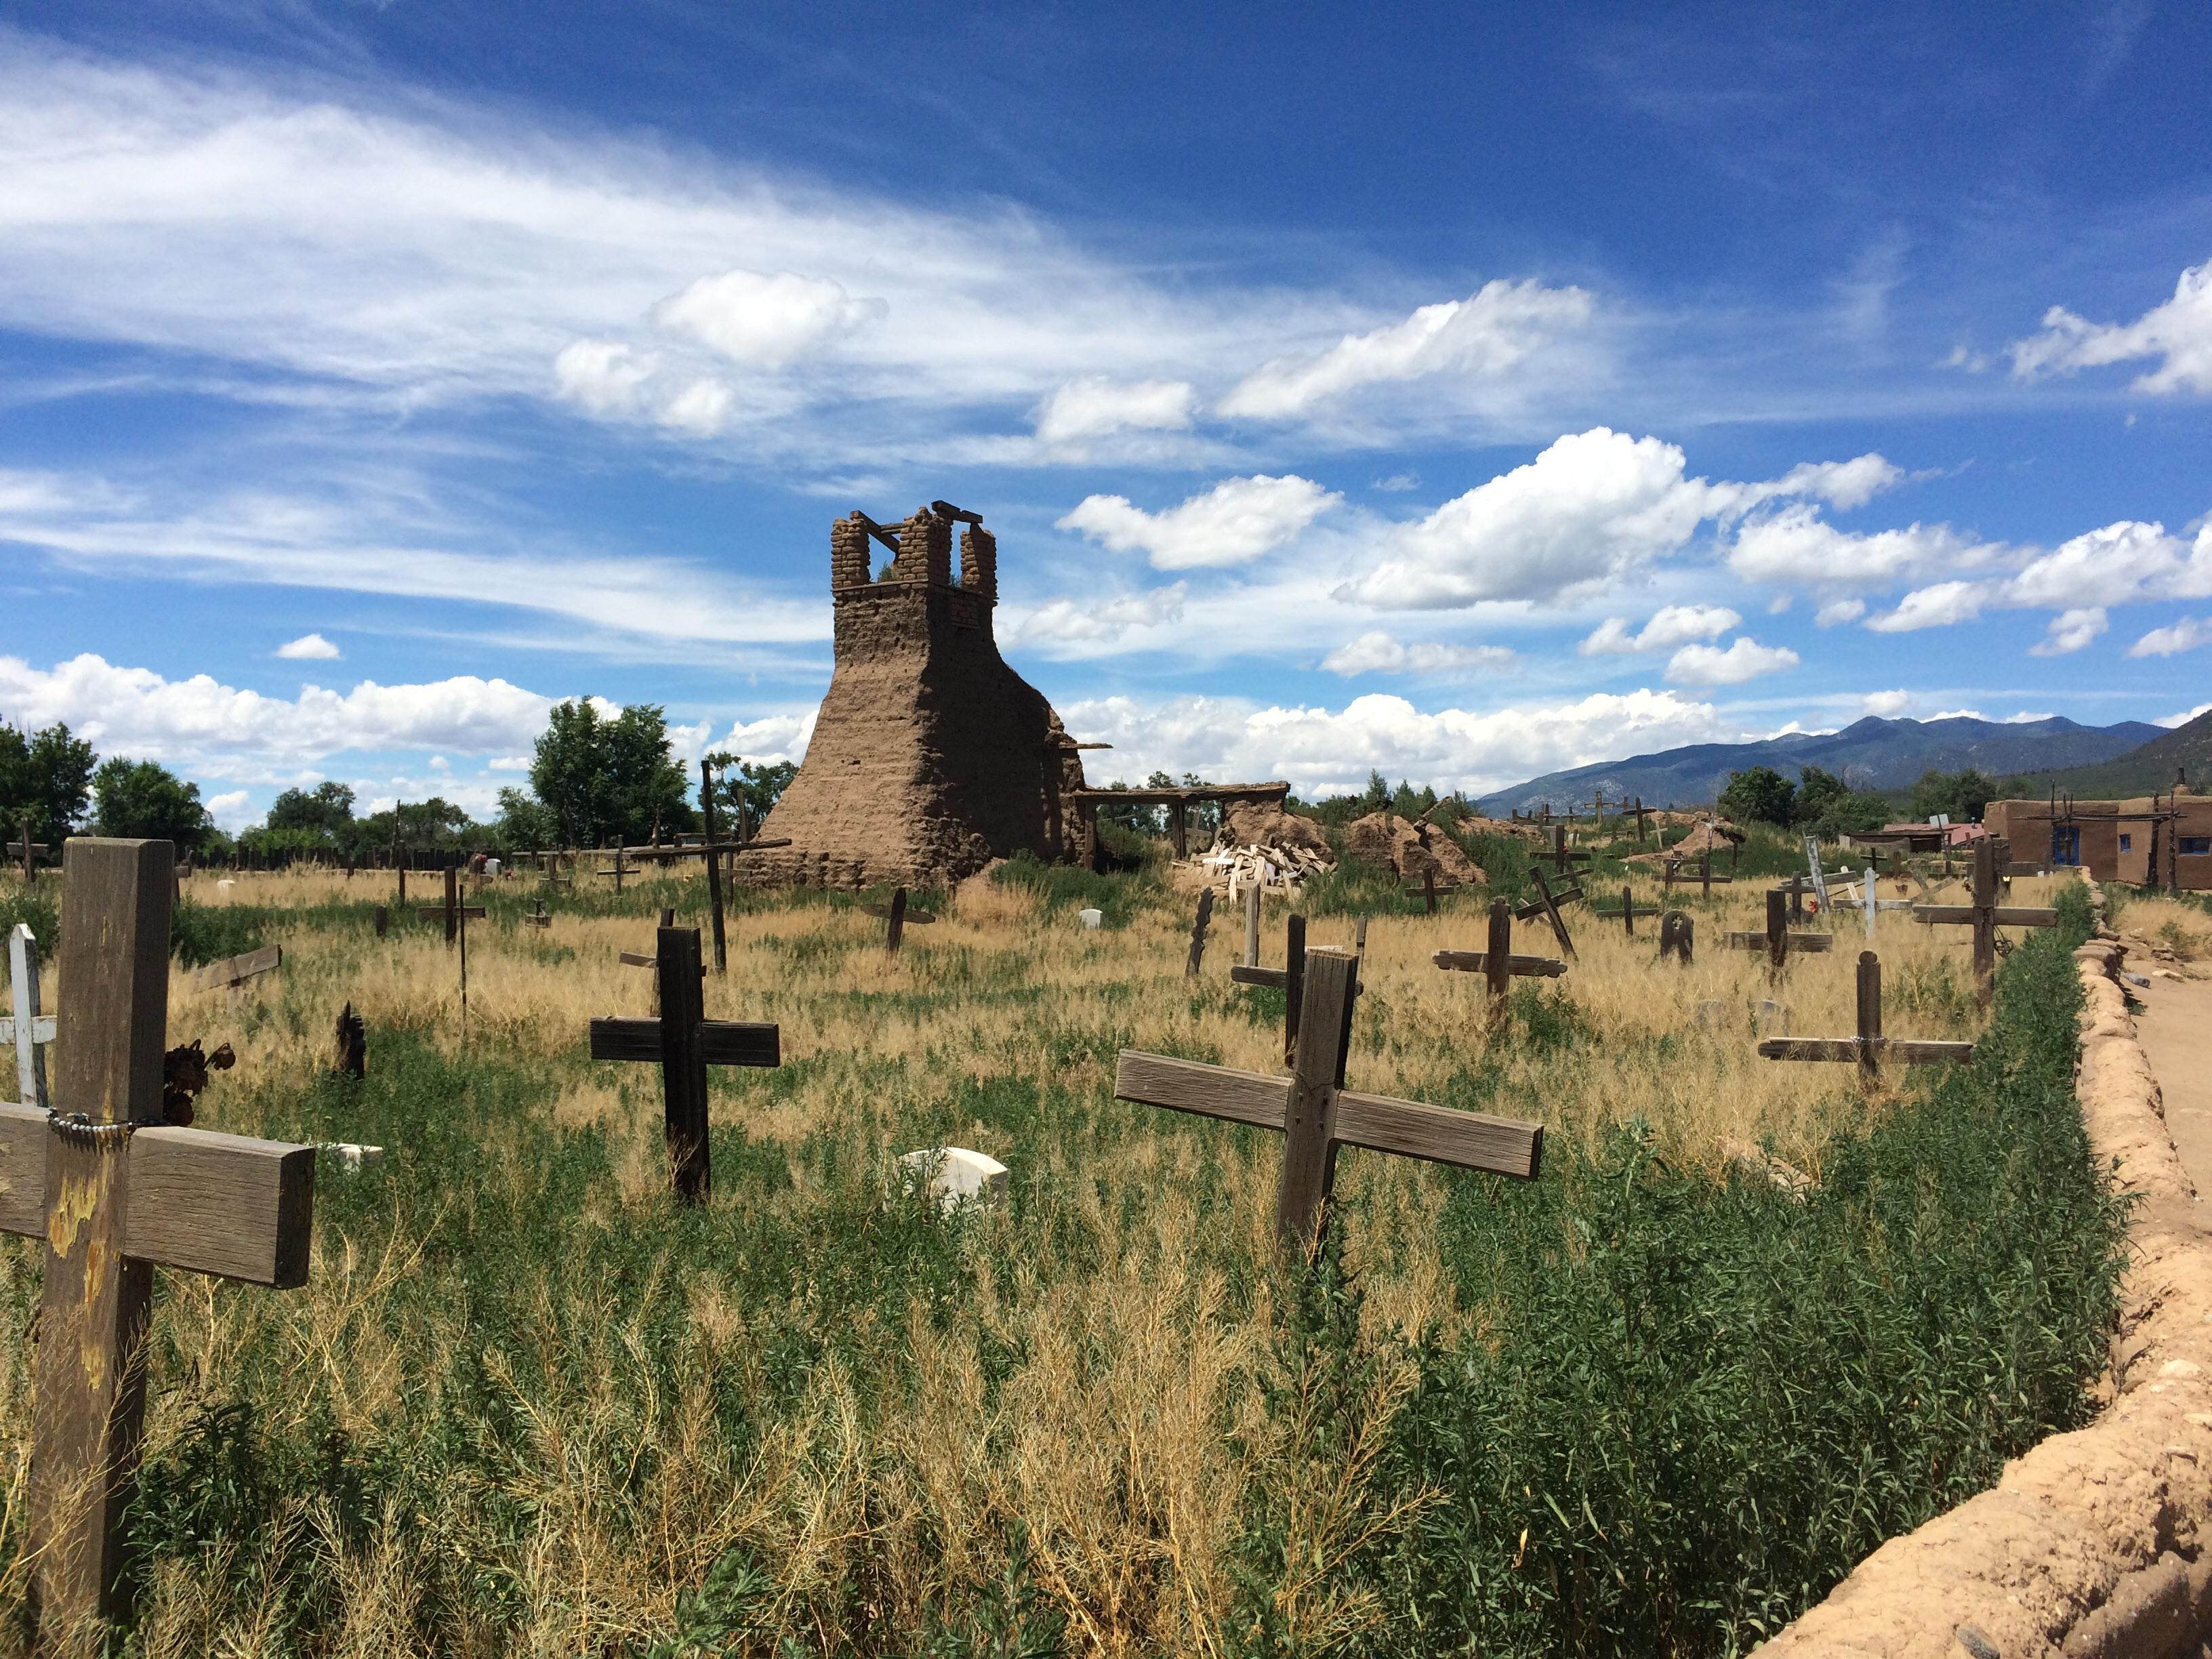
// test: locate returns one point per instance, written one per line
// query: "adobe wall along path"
(2096, 1544)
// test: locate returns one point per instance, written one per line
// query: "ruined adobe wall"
(931, 756)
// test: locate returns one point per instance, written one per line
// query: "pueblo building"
(2153, 840)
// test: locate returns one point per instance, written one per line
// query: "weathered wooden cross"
(895, 915)
(1315, 1114)
(30, 852)
(455, 913)
(1869, 1047)
(1777, 941)
(1985, 914)
(685, 1042)
(1289, 979)
(1497, 963)
(1627, 913)
(233, 973)
(618, 873)
(114, 1194)
(1547, 904)
(1198, 933)
(536, 915)
(1705, 878)
(1563, 860)
(1427, 888)
(27, 1025)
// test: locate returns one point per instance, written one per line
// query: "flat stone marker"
(1772, 1018)
(954, 1176)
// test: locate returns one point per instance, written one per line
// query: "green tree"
(1818, 791)
(1760, 795)
(144, 800)
(1961, 794)
(47, 774)
(323, 815)
(525, 823)
(601, 777)
(758, 784)
(1856, 812)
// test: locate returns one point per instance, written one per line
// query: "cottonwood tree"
(143, 800)
(601, 777)
(48, 775)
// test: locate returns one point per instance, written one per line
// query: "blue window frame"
(2196, 845)
(2066, 844)
(2127, 841)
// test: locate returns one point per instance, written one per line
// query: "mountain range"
(1868, 754)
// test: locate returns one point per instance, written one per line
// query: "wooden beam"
(2005, 915)
(724, 1042)
(236, 970)
(1739, 941)
(1168, 797)
(1477, 962)
(714, 864)
(683, 1061)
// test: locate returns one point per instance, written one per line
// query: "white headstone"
(356, 1158)
(1091, 918)
(491, 867)
(955, 1175)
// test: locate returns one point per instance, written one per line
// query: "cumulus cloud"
(762, 321)
(1938, 606)
(1836, 611)
(1744, 659)
(1796, 545)
(1095, 406)
(1093, 622)
(1377, 652)
(1234, 523)
(2121, 561)
(770, 740)
(308, 647)
(2183, 635)
(1843, 484)
(2183, 718)
(604, 377)
(2070, 631)
(1673, 625)
(1325, 752)
(2177, 334)
(1885, 704)
(232, 811)
(202, 725)
(703, 409)
(1485, 335)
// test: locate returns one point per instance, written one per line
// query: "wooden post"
(383, 919)
(1198, 933)
(714, 864)
(1252, 924)
(1428, 887)
(684, 1062)
(1628, 911)
(1498, 959)
(1178, 810)
(1552, 910)
(452, 906)
(1985, 921)
(897, 929)
(1640, 820)
(1778, 933)
(1310, 1113)
(1294, 983)
(1705, 873)
(30, 862)
(1870, 1013)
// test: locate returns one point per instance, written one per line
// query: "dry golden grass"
(1102, 1393)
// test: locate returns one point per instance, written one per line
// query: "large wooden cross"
(685, 1042)
(1317, 1114)
(1777, 941)
(1497, 963)
(895, 915)
(114, 1194)
(452, 910)
(1985, 915)
(30, 852)
(28, 1026)
(1627, 914)
(1869, 1047)
(1705, 878)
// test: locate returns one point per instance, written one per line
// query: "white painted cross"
(25, 1027)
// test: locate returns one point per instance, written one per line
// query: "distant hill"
(1870, 754)
(2141, 771)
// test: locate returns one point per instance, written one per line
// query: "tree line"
(1823, 805)
(593, 778)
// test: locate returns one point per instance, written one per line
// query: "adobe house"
(931, 756)
(2151, 840)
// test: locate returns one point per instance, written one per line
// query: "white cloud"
(2177, 333)
(509, 764)
(2113, 565)
(1095, 406)
(762, 321)
(771, 740)
(2170, 721)
(1321, 751)
(1744, 659)
(2070, 631)
(2183, 635)
(1886, 705)
(1957, 714)
(1844, 485)
(703, 409)
(201, 724)
(604, 377)
(1377, 652)
(1485, 335)
(1796, 545)
(1397, 483)
(308, 647)
(1672, 625)
(1836, 611)
(1092, 622)
(232, 811)
(1938, 606)
(1235, 522)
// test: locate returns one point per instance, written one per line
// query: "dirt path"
(2175, 1025)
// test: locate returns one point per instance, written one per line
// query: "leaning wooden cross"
(685, 1042)
(28, 851)
(1289, 979)
(452, 909)
(1985, 915)
(27, 1026)
(1563, 861)
(1547, 904)
(895, 915)
(1777, 941)
(1498, 964)
(233, 974)
(1315, 1114)
(115, 1192)
(1869, 1047)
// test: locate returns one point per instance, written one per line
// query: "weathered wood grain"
(1477, 962)
(1468, 1140)
(2006, 915)
(236, 970)
(725, 1041)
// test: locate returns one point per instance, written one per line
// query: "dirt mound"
(1264, 823)
(1386, 839)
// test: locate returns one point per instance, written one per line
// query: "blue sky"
(1457, 395)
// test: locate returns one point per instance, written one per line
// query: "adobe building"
(2153, 840)
(931, 756)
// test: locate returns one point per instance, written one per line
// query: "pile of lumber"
(1240, 867)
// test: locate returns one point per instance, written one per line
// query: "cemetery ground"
(1750, 1321)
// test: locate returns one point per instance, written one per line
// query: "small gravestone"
(953, 1175)
(1773, 1018)
(1710, 1014)
(351, 1157)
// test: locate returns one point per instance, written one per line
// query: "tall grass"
(527, 1405)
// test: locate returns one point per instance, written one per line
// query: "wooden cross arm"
(727, 1042)
(237, 970)
(2004, 915)
(1468, 1140)
(1535, 908)
(1279, 978)
(1907, 1052)
(42, 1030)
(208, 1203)
(1476, 962)
(1814, 942)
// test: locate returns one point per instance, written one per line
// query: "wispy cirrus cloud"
(2177, 335)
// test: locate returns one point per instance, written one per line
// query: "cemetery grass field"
(1656, 1402)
